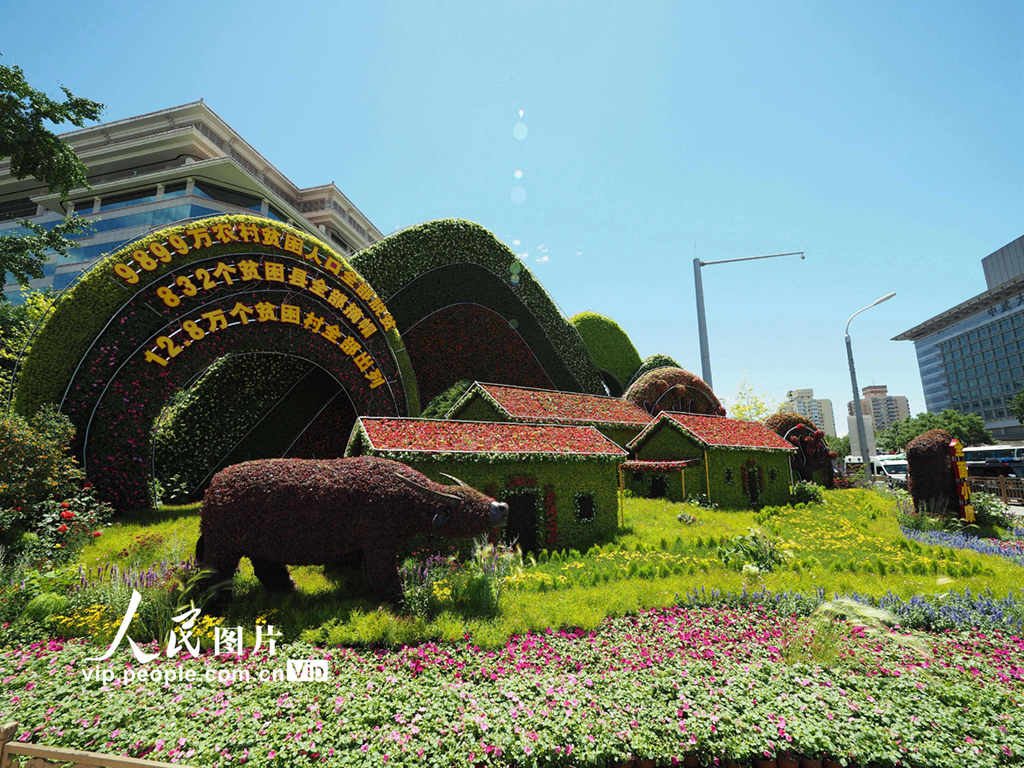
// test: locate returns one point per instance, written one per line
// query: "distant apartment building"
(818, 410)
(168, 166)
(883, 408)
(971, 357)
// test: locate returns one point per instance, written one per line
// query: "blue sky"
(882, 139)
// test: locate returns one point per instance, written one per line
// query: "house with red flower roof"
(731, 463)
(560, 481)
(617, 419)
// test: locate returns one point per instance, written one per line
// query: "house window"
(585, 510)
(772, 474)
(728, 476)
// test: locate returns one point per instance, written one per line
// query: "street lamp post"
(861, 434)
(702, 324)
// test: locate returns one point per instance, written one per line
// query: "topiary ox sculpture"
(280, 512)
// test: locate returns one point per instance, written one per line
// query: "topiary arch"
(610, 348)
(147, 320)
(429, 269)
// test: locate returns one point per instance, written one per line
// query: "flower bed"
(712, 683)
(1011, 549)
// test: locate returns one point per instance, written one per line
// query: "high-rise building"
(176, 164)
(971, 357)
(884, 409)
(818, 410)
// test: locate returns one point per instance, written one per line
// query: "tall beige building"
(884, 409)
(818, 410)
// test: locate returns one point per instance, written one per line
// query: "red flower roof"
(436, 436)
(720, 431)
(525, 403)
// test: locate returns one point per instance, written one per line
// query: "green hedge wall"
(503, 479)
(650, 363)
(609, 347)
(430, 266)
(205, 422)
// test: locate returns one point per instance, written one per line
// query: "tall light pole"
(861, 435)
(702, 324)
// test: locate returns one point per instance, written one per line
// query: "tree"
(747, 405)
(969, 427)
(1017, 406)
(841, 445)
(36, 151)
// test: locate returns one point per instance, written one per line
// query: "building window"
(772, 474)
(18, 209)
(225, 195)
(728, 476)
(123, 200)
(585, 510)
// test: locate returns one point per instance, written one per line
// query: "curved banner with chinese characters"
(196, 292)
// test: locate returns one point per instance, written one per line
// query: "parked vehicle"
(994, 460)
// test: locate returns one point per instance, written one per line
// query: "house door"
(522, 521)
(658, 487)
(753, 478)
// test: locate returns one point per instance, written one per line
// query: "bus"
(994, 460)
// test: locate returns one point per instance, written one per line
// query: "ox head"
(459, 510)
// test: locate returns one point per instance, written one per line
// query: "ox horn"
(458, 482)
(427, 488)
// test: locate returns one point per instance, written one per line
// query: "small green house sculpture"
(617, 419)
(732, 463)
(560, 482)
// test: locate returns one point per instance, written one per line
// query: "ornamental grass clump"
(440, 583)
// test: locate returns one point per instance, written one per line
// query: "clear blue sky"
(882, 139)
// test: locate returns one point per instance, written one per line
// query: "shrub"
(754, 549)
(46, 513)
(609, 347)
(804, 492)
(990, 510)
(44, 605)
(815, 457)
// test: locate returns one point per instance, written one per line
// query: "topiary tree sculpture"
(814, 460)
(930, 473)
(673, 389)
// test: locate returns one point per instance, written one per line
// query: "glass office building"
(156, 169)
(971, 357)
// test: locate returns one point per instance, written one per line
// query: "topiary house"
(560, 482)
(613, 417)
(733, 463)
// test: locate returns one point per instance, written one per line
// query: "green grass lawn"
(851, 543)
